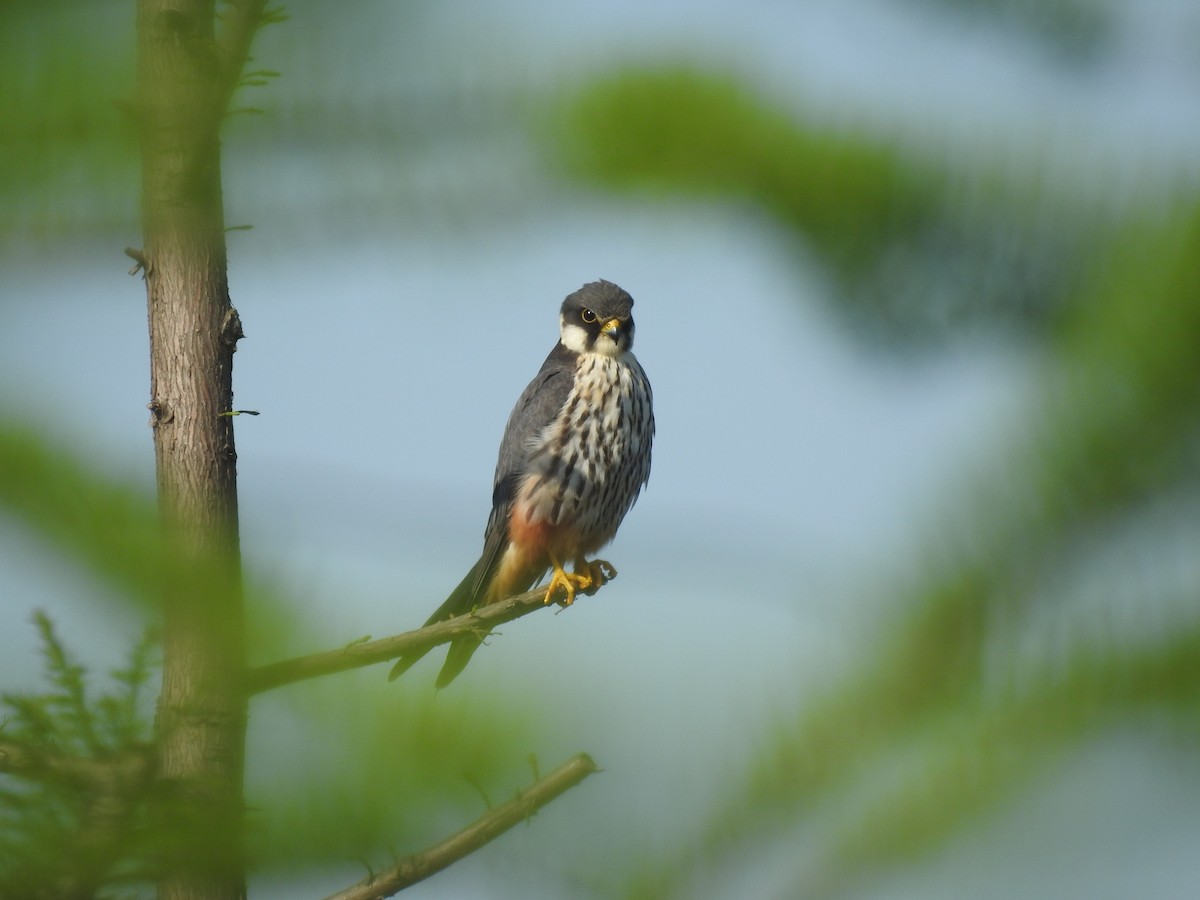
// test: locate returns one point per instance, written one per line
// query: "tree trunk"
(201, 719)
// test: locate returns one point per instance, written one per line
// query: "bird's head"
(597, 318)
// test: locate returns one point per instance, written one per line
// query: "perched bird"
(574, 457)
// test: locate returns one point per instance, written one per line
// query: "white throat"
(575, 338)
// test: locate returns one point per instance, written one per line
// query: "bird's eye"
(588, 316)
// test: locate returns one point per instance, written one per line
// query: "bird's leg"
(594, 575)
(588, 577)
(568, 581)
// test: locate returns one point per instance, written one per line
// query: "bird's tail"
(457, 657)
(461, 600)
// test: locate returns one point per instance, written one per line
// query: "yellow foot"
(588, 577)
(597, 573)
(569, 582)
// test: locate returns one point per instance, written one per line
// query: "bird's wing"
(536, 408)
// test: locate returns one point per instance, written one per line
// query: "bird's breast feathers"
(588, 465)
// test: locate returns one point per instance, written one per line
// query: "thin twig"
(483, 830)
(239, 24)
(365, 653)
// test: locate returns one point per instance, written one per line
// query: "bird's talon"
(594, 575)
(560, 581)
(587, 578)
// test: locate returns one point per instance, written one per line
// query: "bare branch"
(483, 830)
(365, 653)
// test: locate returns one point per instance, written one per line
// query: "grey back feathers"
(533, 412)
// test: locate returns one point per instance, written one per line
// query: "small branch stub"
(160, 413)
(231, 329)
(139, 261)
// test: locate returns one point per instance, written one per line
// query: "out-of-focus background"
(910, 606)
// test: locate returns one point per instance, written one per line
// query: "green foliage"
(917, 245)
(110, 528)
(669, 130)
(394, 768)
(946, 720)
(73, 785)
(1077, 31)
(68, 156)
(370, 768)
(65, 720)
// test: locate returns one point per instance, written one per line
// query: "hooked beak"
(612, 328)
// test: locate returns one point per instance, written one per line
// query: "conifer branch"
(117, 774)
(25, 759)
(483, 830)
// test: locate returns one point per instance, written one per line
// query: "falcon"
(573, 459)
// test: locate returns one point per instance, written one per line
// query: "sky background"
(798, 468)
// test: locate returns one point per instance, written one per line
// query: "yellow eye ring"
(588, 316)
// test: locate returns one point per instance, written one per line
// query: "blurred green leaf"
(111, 529)
(671, 130)
(366, 767)
(1115, 432)
(1077, 31)
(918, 246)
(68, 157)
(69, 816)
(352, 765)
